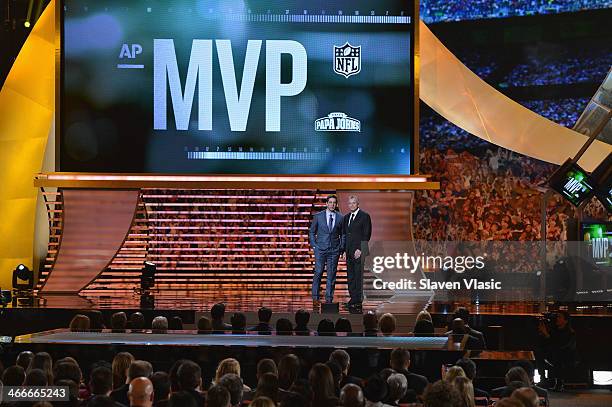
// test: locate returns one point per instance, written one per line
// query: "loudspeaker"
(330, 308)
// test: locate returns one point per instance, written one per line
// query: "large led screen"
(237, 87)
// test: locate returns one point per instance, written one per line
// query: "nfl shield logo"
(347, 60)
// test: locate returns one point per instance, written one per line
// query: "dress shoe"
(316, 305)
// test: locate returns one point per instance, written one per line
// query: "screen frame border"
(415, 75)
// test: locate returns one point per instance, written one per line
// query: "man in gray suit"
(326, 240)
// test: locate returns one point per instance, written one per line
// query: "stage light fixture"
(26, 24)
(23, 278)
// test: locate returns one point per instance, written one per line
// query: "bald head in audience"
(141, 392)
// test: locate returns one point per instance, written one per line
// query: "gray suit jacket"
(321, 237)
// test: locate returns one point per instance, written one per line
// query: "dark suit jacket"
(120, 395)
(478, 335)
(263, 328)
(358, 232)
(321, 237)
(416, 383)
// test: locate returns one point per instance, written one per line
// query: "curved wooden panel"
(95, 226)
(464, 99)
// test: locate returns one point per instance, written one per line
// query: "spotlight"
(26, 24)
(23, 278)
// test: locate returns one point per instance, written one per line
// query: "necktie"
(352, 218)
(330, 224)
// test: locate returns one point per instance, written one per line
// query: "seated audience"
(351, 395)
(343, 359)
(137, 322)
(530, 370)
(400, 362)
(218, 396)
(424, 328)
(238, 326)
(452, 373)
(515, 378)
(233, 383)
(263, 366)
(36, 377)
(466, 390)
(121, 363)
(175, 323)
(66, 370)
(370, 324)
(387, 324)
(464, 314)
(13, 376)
(79, 323)
(469, 367)
(264, 314)
(302, 317)
(424, 316)
(376, 390)
(138, 368)
(326, 328)
(398, 386)
(100, 382)
(182, 399)
(442, 394)
(527, 396)
(336, 372)
(173, 375)
(204, 326)
(284, 327)
(190, 380)
(343, 325)
(161, 388)
(460, 333)
(159, 325)
(42, 361)
(140, 392)
(217, 313)
(288, 371)
(267, 386)
(118, 322)
(321, 380)
(24, 358)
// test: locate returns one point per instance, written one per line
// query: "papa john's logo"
(337, 121)
(347, 60)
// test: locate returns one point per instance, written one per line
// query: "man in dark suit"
(326, 240)
(400, 362)
(356, 231)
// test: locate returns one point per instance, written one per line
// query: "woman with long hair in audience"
(229, 365)
(42, 361)
(466, 389)
(452, 373)
(121, 363)
(322, 383)
(288, 371)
